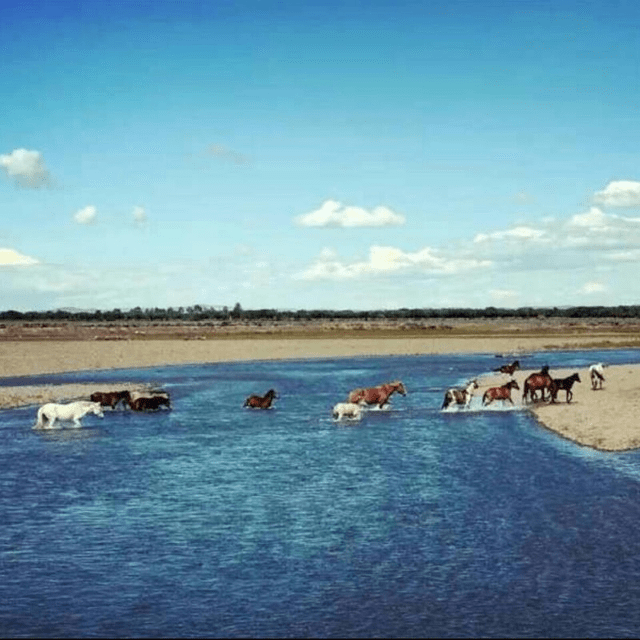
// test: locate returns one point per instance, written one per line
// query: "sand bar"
(588, 420)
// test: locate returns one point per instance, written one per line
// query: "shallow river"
(218, 521)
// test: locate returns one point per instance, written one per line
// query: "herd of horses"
(48, 414)
(358, 399)
(537, 382)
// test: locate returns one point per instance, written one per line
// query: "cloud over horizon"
(11, 258)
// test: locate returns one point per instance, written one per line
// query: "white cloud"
(520, 233)
(619, 193)
(85, 215)
(11, 258)
(139, 215)
(26, 167)
(592, 219)
(387, 260)
(592, 287)
(503, 295)
(334, 214)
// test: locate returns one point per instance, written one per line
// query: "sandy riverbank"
(588, 420)
(604, 419)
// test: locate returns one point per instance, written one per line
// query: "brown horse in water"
(499, 393)
(110, 398)
(537, 381)
(377, 395)
(509, 368)
(261, 402)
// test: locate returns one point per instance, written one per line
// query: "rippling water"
(214, 520)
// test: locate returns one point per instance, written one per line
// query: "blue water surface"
(213, 520)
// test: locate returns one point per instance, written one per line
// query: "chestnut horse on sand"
(261, 402)
(564, 383)
(509, 368)
(377, 395)
(110, 398)
(537, 381)
(460, 396)
(499, 393)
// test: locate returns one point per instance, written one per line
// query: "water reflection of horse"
(499, 393)
(564, 383)
(377, 395)
(261, 402)
(72, 411)
(537, 382)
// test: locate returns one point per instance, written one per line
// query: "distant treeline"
(199, 313)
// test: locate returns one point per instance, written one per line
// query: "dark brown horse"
(499, 393)
(564, 383)
(537, 382)
(377, 395)
(509, 368)
(261, 402)
(150, 403)
(110, 398)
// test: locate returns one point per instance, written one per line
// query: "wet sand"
(589, 420)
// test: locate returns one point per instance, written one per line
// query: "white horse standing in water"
(349, 410)
(73, 411)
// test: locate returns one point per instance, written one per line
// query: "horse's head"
(96, 408)
(399, 387)
(512, 384)
(271, 394)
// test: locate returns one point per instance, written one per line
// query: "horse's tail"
(446, 401)
(485, 395)
(40, 420)
(525, 386)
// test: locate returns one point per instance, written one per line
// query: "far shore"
(588, 420)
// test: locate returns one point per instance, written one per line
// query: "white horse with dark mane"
(596, 373)
(73, 411)
(350, 410)
(460, 396)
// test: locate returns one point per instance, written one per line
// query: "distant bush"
(224, 315)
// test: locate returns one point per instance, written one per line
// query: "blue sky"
(335, 155)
